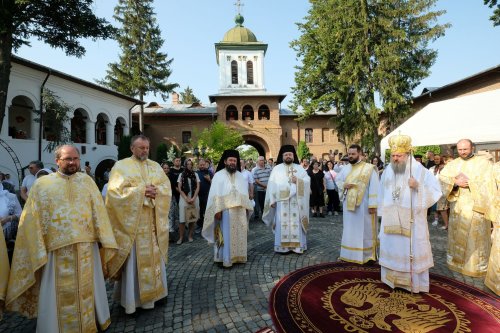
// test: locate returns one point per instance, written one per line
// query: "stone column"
(110, 134)
(90, 132)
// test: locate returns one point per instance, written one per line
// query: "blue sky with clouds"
(191, 27)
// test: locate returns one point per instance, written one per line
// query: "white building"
(99, 119)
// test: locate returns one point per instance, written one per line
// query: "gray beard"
(230, 169)
(399, 168)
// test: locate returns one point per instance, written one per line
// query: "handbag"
(191, 213)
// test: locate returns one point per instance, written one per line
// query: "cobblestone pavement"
(204, 297)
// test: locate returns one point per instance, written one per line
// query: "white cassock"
(396, 203)
(359, 236)
(290, 216)
(229, 195)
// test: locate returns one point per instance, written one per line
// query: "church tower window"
(234, 72)
(249, 72)
(309, 135)
(231, 113)
(264, 112)
(247, 113)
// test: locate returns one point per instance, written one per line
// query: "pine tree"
(188, 97)
(142, 67)
(495, 18)
(364, 58)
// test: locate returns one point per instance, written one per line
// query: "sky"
(191, 27)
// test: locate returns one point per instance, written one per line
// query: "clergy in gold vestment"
(492, 280)
(467, 183)
(56, 271)
(358, 182)
(226, 224)
(138, 201)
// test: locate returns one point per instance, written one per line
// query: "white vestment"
(359, 236)
(396, 206)
(289, 217)
(228, 195)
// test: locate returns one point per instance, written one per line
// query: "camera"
(87, 163)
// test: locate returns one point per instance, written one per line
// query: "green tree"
(124, 147)
(303, 150)
(496, 12)
(363, 58)
(60, 24)
(188, 97)
(142, 67)
(161, 152)
(55, 117)
(247, 152)
(217, 138)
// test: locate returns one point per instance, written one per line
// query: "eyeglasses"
(70, 159)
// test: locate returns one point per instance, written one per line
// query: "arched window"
(264, 112)
(20, 117)
(234, 72)
(100, 129)
(249, 72)
(309, 135)
(247, 113)
(119, 125)
(78, 126)
(231, 113)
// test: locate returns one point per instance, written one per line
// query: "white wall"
(25, 81)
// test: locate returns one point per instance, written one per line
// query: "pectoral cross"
(291, 173)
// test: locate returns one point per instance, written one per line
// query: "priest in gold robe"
(492, 280)
(286, 207)
(138, 202)
(407, 189)
(4, 273)
(64, 237)
(467, 183)
(226, 225)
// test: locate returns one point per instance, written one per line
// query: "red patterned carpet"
(345, 297)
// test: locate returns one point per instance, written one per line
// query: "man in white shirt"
(28, 181)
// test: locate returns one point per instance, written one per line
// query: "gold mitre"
(400, 143)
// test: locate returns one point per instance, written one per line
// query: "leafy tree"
(303, 150)
(60, 24)
(161, 152)
(364, 58)
(217, 138)
(248, 152)
(124, 147)
(142, 67)
(55, 117)
(496, 12)
(188, 97)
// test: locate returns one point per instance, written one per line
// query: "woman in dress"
(318, 189)
(332, 190)
(188, 185)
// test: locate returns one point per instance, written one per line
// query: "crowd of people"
(60, 248)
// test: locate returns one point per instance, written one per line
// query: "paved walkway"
(204, 297)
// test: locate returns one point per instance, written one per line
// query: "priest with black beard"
(286, 207)
(225, 223)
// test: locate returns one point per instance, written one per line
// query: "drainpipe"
(40, 132)
(130, 118)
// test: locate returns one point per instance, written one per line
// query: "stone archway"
(258, 143)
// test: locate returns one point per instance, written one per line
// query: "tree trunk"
(141, 114)
(5, 66)
(376, 142)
